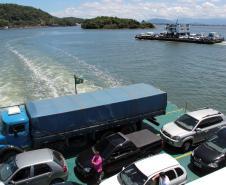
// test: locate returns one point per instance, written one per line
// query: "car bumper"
(202, 165)
(81, 173)
(172, 142)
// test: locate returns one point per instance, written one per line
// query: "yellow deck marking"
(184, 155)
(175, 111)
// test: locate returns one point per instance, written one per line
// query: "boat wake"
(222, 43)
(102, 75)
(37, 71)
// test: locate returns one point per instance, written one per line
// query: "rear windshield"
(57, 157)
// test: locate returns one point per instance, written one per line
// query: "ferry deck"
(172, 113)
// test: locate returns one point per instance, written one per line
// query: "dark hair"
(162, 174)
(96, 152)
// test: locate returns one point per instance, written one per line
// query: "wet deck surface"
(173, 112)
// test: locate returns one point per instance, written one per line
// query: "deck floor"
(172, 113)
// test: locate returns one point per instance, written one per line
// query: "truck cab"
(14, 127)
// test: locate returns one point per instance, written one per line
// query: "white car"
(143, 171)
(193, 128)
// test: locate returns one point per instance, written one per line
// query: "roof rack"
(203, 108)
(211, 115)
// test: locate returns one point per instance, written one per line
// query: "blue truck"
(86, 116)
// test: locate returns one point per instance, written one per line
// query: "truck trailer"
(88, 116)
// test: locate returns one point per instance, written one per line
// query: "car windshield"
(107, 145)
(7, 169)
(132, 176)
(186, 122)
(104, 147)
(218, 144)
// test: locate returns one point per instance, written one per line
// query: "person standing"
(97, 163)
(163, 178)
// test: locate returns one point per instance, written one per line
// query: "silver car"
(192, 128)
(37, 167)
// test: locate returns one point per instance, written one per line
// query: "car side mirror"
(198, 129)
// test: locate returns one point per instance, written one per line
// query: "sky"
(136, 9)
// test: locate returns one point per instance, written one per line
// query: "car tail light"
(65, 168)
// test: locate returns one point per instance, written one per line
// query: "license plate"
(197, 164)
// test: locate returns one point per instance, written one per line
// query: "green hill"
(12, 15)
(113, 23)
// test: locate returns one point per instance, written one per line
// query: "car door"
(21, 177)
(122, 156)
(207, 128)
(42, 174)
(201, 131)
(213, 125)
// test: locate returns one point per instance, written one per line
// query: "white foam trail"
(36, 71)
(92, 68)
(222, 43)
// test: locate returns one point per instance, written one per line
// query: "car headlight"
(87, 170)
(213, 165)
(176, 138)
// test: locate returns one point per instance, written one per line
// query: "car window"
(58, 158)
(210, 122)
(22, 174)
(41, 169)
(171, 174)
(16, 128)
(179, 172)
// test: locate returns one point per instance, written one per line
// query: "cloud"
(143, 9)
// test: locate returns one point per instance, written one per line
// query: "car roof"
(34, 157)
(199, 114)
(156, 163)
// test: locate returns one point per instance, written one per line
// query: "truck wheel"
(187, 145)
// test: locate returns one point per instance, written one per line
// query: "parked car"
(143, 171)
(118, 150)
(43, 166)
(193, 128)
(212, 153)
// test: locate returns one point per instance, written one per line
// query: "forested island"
(104, 22)
(15, 16)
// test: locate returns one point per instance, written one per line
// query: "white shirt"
(164, 181)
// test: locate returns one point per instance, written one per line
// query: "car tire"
(187, 146)
(56, 181)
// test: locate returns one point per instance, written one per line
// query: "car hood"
(84, 158)
(112, 180)
(206, 153)
(174, 130)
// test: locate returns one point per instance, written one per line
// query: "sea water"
(41, 63)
